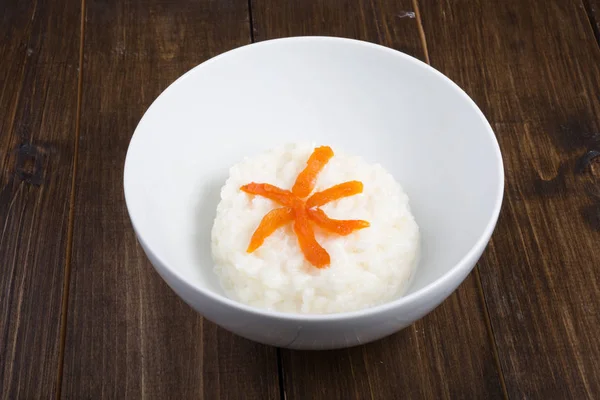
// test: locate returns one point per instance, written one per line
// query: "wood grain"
(534, 68)
(443, 358)
(128, 335)
(435, 358)
(387, 22)
(39, 50)
(592, 8)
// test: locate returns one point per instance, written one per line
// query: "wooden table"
(83, 314)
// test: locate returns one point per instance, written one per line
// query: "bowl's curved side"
(295, 332)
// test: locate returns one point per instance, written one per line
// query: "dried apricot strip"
(336, 192)
(338, 226)
(281, 196)
(313, 252)
(272, 221)
(296, 209)
(305, 181)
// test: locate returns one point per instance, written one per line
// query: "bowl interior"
(362, 98)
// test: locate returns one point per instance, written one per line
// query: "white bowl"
(363, 98)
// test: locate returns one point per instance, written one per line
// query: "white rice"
(368, 267)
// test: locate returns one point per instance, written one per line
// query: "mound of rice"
(368, 267)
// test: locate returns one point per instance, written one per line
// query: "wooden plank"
(391, 23)
(592, 8)
(38, 101)
(534, 67)
(128, 335)
(443, 358)
(445, 355)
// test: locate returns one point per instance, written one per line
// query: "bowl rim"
(459, 268)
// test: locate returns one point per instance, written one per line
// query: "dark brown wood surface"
(534, 68)
(592, 8)
(525, 324)
(39, 57)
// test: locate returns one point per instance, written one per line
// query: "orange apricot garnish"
(305, 182)
(336, 192)
(296, 208)
(337, 226)
(272, 221)
(314, 253)
(281, 196)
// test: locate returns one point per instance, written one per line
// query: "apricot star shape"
(305, 212)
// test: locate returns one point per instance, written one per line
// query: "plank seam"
(490, 330)
(587, 6)
(71, 219)
(280, 372)
(421, 30)
(251, 21)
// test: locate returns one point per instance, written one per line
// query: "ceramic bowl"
(363, 98)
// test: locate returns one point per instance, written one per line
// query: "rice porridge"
(320, 232)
